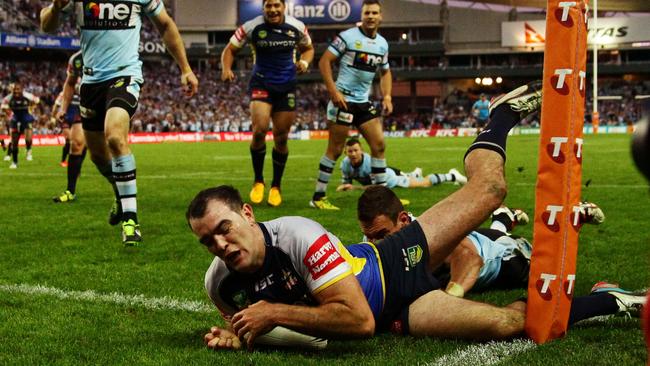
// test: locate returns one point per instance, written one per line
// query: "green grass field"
(70, 248)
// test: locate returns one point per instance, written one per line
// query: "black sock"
(585, 307)
(107, 172)
(74, 168)
(66, 150)
(10, 148)
(504, 219)
(279, 162)
(257, 157)
(28, 144)
(14, 153)
(494, 135)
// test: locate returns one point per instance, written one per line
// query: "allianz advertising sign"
(307, 11)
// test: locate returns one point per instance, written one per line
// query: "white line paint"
(152, 303)
(489, 353)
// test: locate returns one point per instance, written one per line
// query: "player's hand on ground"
(190, 83)
(253, 321)
(387, 105)
(339, 100)
(227, 75)
(220, 338)
(344, 187)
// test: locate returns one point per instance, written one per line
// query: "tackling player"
(360, 52)
(68, 115)
(273, 38)
(20, 102)
(110, 87)
(356, 166)
(290, 272)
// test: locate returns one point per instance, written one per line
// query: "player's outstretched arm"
(343, 312)
(447, 222)
(174, 43)
(50, 15)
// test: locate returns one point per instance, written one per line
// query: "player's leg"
(28, 133)
(606, 299)
(338, 133)
(282, 122)
(456, 317)
(261, 118)
(446, 223)
(124, 171)
(77, 155)
(65, 131)
(15, 137)
(373, 132)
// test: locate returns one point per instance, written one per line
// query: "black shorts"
(404, 258)
(97, 98)
(22, 124)
(356, 114)
(282, 98)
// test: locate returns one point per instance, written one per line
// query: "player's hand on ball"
(219, 338)
(190, 83)
(227, 75)
(253, 321)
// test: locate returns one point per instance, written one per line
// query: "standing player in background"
(68, 115)
(360, 51)
(480, 110)
(110, 87)
(19, 102)
(274, 38)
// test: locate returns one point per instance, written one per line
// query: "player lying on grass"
(356, 166)
(487, 258)
(290, 272)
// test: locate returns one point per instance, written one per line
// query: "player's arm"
(343, 312)
(306, 49)
(68, 93)
(51, 15)
(174, 43)
(227, 59)
(386, 86)
(465, 265)
(325, 67)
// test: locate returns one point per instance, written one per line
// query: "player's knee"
(76, 146)
(509, 324)
(116, 144)
(378, 148)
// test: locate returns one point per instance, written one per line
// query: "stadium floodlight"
(487, 81)
(499, 80)
(477, 80)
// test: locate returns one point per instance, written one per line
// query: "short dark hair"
(376, 201)
(352, 141)
(224, 193)
(264, 2)
(371, 2)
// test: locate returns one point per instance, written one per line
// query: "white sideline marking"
(152, 303)
(484, 354)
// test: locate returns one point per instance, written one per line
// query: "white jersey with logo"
(301, 259)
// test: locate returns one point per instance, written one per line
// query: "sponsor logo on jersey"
(322, 257)
(358, 44)
(411, 256)
(291, 33)
(291, 100)
(262, 34)
(118, 83)
(264, 43)
(107, 15)
(367, 61)
(240, 299)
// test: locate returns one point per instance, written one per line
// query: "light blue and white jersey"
(362, 173)
(360, 56)
(110, 36)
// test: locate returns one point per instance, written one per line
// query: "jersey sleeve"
(152, 7)
(338, 46)
(31, 97)
(213, 277)
(384, 62)
(304, 39)
(346, 176)
(73, 69)
(314, 252)
(241, 35)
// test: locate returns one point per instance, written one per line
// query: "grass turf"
(71, 247)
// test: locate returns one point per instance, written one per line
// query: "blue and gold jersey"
(110, 36)
(273, 46)
(366, 265)
(360, 57)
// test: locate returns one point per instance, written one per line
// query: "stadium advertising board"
(610, 31)
(38, 41)
(308, 11)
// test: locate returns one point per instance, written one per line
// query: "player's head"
(370, 16)
(17, 88)
(380, 213)
(354, 151)
(273, 11)
(226, 226)
(483, 96)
